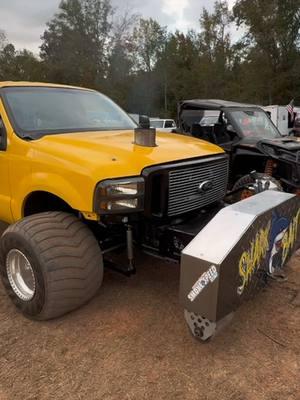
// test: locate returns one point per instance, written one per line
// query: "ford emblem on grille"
(205, 186)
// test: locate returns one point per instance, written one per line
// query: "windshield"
(157, 123)
(254, 123)
(37, 111)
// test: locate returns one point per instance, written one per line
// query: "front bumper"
(233, 255)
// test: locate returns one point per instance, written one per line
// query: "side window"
(2, 135)
(169, 124)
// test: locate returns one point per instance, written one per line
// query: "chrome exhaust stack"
(145, 137)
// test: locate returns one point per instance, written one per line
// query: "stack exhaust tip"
(145, 137)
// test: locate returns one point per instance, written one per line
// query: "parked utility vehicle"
(251, 140)
(79, 180)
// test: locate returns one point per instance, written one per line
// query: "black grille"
(184, 186)
(173, 189)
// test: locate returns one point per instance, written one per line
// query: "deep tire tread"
(69, 261)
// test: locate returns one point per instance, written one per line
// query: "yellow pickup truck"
(71, 173)
(80, 180)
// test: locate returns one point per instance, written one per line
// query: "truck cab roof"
(212, 104)
(6, 84)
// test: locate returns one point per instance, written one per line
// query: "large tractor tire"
(50, 264)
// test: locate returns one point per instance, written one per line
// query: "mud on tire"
(65, 258)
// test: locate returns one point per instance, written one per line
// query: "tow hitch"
(233, 255)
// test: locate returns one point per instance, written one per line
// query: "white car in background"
(164, 125)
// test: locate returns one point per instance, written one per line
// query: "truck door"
(5, 211)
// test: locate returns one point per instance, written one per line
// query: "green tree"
(149, 40)
(272, 43)
(29, 67)
(215, 49)
(19, 65)
(214, 37)
(178, 71)
(75, 42)
(8, 62)
(146, 46)
(2, 39)
(120, 62)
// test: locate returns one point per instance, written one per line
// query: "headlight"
(120, 195)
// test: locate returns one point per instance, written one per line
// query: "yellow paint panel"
(70, 165)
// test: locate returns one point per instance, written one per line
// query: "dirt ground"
(131, 342)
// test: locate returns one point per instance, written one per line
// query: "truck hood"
(111, 154)
(290, 143)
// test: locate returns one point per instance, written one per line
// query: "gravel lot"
(131, 342)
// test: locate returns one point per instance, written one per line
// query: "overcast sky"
(24, 20)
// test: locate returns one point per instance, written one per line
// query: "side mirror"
(3, 141)
(144, 122)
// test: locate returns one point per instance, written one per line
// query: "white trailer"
(280, 118)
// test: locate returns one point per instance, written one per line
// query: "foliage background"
(147, 69)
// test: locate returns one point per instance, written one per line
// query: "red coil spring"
(269, 167)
